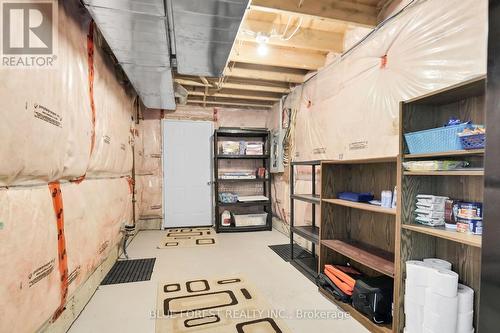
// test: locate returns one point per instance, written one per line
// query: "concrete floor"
(126, 307)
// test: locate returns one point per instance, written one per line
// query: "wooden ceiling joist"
(308, 39)
(229, 104)
(232, 100)
(251, 85)
(278, 56)
(235, 94)
(268, 73)
(358, 12)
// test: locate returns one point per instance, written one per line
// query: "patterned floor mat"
(188, 237)
(226, 305)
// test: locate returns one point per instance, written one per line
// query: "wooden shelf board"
(446, 154)
(472, 240)
(315, 199)
(362, 319)
(362, 206)
(445, 173)
(374, 258)
(392, 159)
(308, 232)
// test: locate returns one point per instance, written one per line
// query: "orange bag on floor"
(341, 279)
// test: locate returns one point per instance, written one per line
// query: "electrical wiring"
(294, 32)
(274, 34)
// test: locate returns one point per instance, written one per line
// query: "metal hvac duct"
(204, 32)
(146, 36)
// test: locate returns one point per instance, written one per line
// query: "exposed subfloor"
(127, 307)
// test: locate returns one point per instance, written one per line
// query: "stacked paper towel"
(430, 209)
(434, 300)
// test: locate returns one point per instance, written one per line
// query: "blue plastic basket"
(475, 141)
(435, 140)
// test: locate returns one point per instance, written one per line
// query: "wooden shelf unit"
(243, 134)
(464, 101)
(359, 234)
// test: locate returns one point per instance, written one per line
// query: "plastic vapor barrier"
(148, 145)
(149, 192)
(30, 283)
(350, 109)
(95, 210)
(47, 129)
(64, 190)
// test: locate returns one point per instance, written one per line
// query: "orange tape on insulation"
(57, 201)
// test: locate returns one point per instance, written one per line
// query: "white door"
(187, 169)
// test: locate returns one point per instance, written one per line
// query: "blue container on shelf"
(436, 140)
(474, 141)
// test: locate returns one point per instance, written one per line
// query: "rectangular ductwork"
(204, 34)
(202, 31)
(137, 33)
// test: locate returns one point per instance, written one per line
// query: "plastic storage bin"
(435, 140)
(474, 141)
(250, 220)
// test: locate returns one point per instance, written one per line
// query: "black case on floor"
(324, 282)
(373, 297)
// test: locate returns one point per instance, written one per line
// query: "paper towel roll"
(415, 293)
(441, 305)
(414, 316)
(465, 299)
(438, 263)
(418, 273)
(464, 321)
(444, 282)
(440, 324)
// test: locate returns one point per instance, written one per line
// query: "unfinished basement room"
(250, 166)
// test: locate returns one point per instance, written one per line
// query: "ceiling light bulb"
(262, 49)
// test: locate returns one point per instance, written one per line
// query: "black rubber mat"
(125, 271)
(283, 250)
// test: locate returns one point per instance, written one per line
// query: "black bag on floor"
(324, 282)
(373, 297)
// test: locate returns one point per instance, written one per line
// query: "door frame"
(163, 156)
